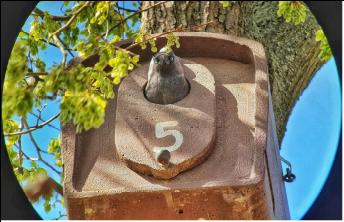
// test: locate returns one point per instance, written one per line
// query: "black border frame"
(15, 205)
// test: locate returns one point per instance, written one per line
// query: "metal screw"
(289, 176)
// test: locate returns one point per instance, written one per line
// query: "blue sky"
(50, 56)
(310, 141)
(44, 135)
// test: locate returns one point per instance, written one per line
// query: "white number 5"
(160, 132)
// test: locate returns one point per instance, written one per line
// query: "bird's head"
(164, 57)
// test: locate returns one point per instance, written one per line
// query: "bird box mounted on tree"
(212, 153)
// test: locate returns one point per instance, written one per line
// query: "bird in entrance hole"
(166, 80)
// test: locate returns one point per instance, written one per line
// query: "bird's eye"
(171, 58)
(156, 60)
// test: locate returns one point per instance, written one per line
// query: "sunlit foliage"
(84, 29)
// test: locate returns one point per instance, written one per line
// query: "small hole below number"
(180, 211)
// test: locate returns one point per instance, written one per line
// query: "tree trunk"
(291, 50)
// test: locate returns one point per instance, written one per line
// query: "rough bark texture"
(291, 50)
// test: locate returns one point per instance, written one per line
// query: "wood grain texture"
(274, 168)
(233, 183)
(292, 52)
(137, 120)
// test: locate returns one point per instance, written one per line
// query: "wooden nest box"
(224, 162)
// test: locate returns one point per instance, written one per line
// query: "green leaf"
(325, 49)
(292, 11)
(22, 35)
(116, 80)
(17, 94)
(224, 3)
(47, 206)
(113, 62)
(59, 163)
(34, 164)
(10, 126)
(154, 49)
(136, 59)
(90, 116)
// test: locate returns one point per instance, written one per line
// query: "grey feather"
(166, 79)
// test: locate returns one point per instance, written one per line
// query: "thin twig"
(58, 41)
(62, 49)
(40, 113)
(52, 126)
(107, 22)
(47, 97)
(29, 130)
(125, 9)
(121, 23)
(20, 146)
(60, 216)
(30, 60)
(146, 40)
(65, 47)
(57, 32)
(25, 155)
(132, 15)
(38, 150)
(37, 74)
(167, 32)
(45, 41)
(40, 13)
(125, 50)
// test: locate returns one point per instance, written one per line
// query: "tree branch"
(20, 148)
(167, 32)
(125, 9)
(57, 32)
(29, 130)
(60, 216)
(37, 74)
(40, 13)
(65, 47)
(40, 113)
(62, 49)
(25, 155)
(38, 150)
(30, 60)
(125, 50)
(52, 126)
(58, 41)
(50, 43)
(132, 15)
(47, 97)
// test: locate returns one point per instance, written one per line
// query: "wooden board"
(240, 178)
(185, 128)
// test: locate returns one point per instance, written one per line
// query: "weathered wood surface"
(144, 128)
(292, 52)
(237, 181)
(274, 169)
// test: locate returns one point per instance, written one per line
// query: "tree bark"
(291, 50)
